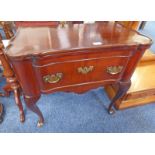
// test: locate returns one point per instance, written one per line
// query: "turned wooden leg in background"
(123, 88)
(31, 104)
(12, 84)
(7, 89)
(1, 112)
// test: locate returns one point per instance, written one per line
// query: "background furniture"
(1, 112)
(74, 58)
(142, 88)
(36, 23)
(43, 23)
(7, 28)
(9, 34)
(1, 105)
(142, 25)
(11, 82)
(131, 24)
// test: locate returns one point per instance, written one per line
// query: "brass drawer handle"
(54, 78)
(114, 69)
(85, 69)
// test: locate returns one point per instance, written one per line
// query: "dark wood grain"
(36, 52)
(76, 37)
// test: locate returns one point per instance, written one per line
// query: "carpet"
(84, 113)
(78, 113)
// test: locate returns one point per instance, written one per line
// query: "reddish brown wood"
(42, 23)
(19, 103)
(130, 24)
(142, 90)
(30, 101)
(122, 89)
(77, 22)
(37, 52)
(36, 23)
(1, 40)
(71, 76)
(11, 83)
(7, 29)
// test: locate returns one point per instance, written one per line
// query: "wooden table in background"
(142, 90)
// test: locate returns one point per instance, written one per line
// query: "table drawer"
(83, 71)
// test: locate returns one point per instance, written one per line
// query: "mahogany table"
(74, 58)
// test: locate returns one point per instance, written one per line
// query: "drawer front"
(78, 55)
(78, 72)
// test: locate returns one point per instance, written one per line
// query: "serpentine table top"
(76, 58)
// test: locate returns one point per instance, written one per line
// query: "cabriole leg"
(19, 104)
(31, 104)
(123, 88)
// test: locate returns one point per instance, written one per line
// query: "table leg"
(16, 89)
(31, 104)
(11, 82)
(142, 25)
(123, 88)
(1, 112)
(19, 104)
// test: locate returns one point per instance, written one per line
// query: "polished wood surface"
(143, 82)
(142, 88)
(148, 56)
(36, 23)
(71, 76)
(44, 40)
(131, 24)
(12, 84)
(43, 23)
(48, 59)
